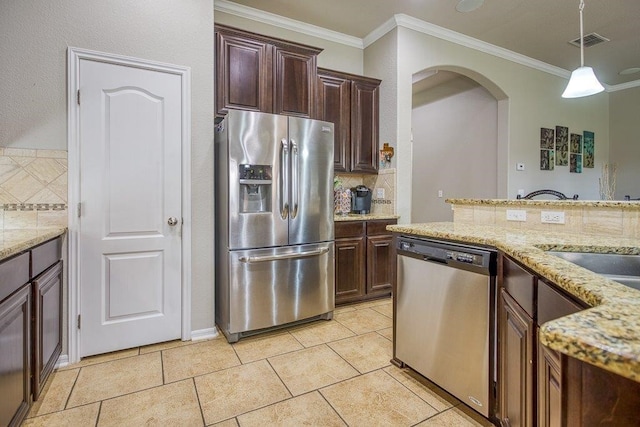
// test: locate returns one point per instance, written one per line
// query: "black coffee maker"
(361, 200)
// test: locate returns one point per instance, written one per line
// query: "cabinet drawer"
(552, 304)
(13, 274)
(379, 227)
(520, 284)
(349, 229)
(45, 255)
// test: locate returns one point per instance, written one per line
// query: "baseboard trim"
(63, 361)
(204, 334)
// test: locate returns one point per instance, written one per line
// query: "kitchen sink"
(624, 269)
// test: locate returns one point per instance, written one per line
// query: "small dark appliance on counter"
(360, 200)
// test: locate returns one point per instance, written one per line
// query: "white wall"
(335, 56)
(34, 36)
(533, 101)
(454, 148)
(625, 140)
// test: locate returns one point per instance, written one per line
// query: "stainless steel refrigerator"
(274, 221)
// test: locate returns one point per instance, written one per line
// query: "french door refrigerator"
(274, 222)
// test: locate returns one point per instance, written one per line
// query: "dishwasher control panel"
(473, 258)
(464, 257)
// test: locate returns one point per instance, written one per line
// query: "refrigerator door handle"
(294, 179)
(284, 182)
(304, 254)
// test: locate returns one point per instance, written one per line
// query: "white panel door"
(130, 192)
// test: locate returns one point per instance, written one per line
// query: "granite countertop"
(606, 335)
(363, 217)
(13, 242)
(618, 204)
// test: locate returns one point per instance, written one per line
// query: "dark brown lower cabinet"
(364, 262)
(30, 326)
(549, 387)
(47, 327)
(595, 397)
(350, 268)
(15, 357)
(516, 368)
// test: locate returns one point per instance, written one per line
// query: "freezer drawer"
(275, 286)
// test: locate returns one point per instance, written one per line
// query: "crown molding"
(622, 86)
(405, 21)
(286, 23)
(419, 25)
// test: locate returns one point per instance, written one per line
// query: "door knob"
(172, 221)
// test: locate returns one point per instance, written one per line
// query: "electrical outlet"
(440, 193)
(379, 193)
(519, 166)
(521, 192)
(516, 215)
(552, 217)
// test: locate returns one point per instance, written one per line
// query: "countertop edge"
(23, 240)
(618, 204)
(606, 335)
(363, 217)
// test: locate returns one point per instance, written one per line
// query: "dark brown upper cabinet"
(259, 73)
(351, 102)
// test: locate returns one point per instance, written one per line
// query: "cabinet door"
(15, 357)
(364, 126)
(47, 307)
(350, 269)
(516, 354)
(295, 82)
(334, 105)
(243, 73)
(380, 265)
(549, 387)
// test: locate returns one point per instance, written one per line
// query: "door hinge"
(78, 321)
(79, 209)
(78, 96)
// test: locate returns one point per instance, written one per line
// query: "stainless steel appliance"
(361, 200)
(445, 317)
(274, 221)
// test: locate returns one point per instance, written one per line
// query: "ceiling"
(539, 29)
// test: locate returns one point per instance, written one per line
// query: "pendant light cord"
(581, 35)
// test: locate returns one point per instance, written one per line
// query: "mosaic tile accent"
(33, 188)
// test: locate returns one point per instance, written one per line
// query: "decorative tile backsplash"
(33, 188)
(385, 179)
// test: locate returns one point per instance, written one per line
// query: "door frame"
(74, 56)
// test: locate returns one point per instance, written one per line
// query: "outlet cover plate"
(516, 215)
(552, 217)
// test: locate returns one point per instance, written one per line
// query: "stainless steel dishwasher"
(445, 317)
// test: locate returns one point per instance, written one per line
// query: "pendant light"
(583, 81)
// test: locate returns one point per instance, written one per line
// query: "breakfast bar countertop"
(12, 242)
(363, 217)
(606, 335)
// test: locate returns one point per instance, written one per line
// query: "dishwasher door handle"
(436, 260)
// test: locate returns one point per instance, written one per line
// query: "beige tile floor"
(325, 373)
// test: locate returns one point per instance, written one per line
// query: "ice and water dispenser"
(255, 188)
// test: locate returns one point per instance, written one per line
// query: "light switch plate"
(519, 166)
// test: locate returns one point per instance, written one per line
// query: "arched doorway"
(458, 140)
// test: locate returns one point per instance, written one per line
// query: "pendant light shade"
(583, 81)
